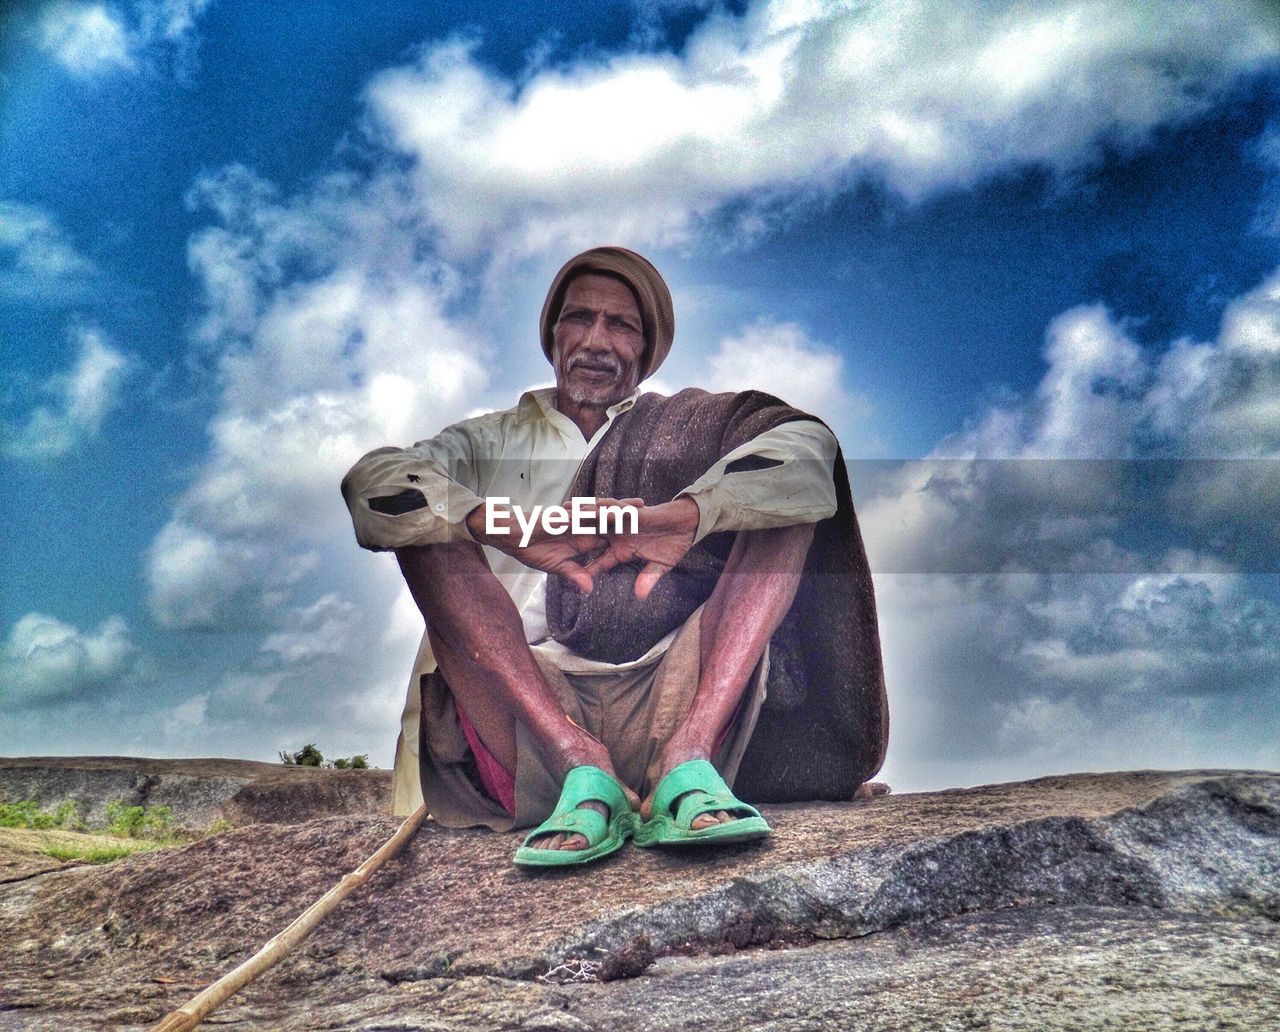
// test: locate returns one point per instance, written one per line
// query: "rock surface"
(198, 791)
(1142, 900)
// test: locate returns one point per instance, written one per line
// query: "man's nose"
(597, 337)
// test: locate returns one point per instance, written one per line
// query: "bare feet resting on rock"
(871, 789)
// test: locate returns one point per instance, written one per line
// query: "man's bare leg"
(753, 594)
(478, 639)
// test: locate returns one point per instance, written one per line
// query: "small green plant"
(360, 762)
(28, 814)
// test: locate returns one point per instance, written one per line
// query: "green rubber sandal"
(704, 791)
(604, 835)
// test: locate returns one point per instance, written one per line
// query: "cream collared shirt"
(530, 455)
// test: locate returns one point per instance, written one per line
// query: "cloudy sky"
(1023, 257)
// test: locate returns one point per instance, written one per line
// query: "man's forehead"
(596, 290)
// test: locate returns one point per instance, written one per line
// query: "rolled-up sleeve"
(415, 496)
(777, 479)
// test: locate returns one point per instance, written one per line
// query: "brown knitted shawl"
(824, 726)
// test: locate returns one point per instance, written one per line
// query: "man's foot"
(692, 805)
(566, 840)
(600, 821)
(871, 789)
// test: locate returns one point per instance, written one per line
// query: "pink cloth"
(499, 783)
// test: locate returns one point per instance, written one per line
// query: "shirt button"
(439, 506)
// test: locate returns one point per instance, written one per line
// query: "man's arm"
(399, 497)
(780, 478)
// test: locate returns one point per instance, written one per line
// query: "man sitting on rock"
(727, 639)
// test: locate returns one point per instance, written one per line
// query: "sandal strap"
(584, 784)
(582, 822)
(704, 789)
(697, 802)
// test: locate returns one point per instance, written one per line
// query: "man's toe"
(710, 820)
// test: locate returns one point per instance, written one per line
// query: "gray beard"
(598, 397)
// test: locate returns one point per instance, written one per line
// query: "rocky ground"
(1125, 901)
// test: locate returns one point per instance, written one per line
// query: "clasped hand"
(663, 534)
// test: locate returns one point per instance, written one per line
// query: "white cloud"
(46, 660)
(185, 721)
(1009, 676)
(792, 99)
(38, 264)
(334, 673)
(79, 400)
(1076, 638)
(92, 40)
(87, 39)
(781, 359)
(315, 371)
(31, 241)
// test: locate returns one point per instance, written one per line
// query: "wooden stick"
(187, 1017)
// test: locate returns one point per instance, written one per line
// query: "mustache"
(601, 362)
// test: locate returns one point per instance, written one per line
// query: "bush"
(28, 814)
(155, 822)
(67, 815)
(307, 756)
(123, 821)
(310, 756)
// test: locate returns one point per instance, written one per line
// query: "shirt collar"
(542, 401)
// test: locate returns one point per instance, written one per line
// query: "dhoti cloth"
(632, 712)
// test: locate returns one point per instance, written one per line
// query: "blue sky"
(1024, 258)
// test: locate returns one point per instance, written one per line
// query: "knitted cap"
(656, 313)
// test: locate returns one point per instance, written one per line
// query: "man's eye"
(621, 325)
(582, 318)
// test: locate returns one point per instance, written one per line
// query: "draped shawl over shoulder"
(824, 726)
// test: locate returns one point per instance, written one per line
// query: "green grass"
(125, 830)
(91, 854)
(65, 836)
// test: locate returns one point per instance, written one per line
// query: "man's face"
(597, 341)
